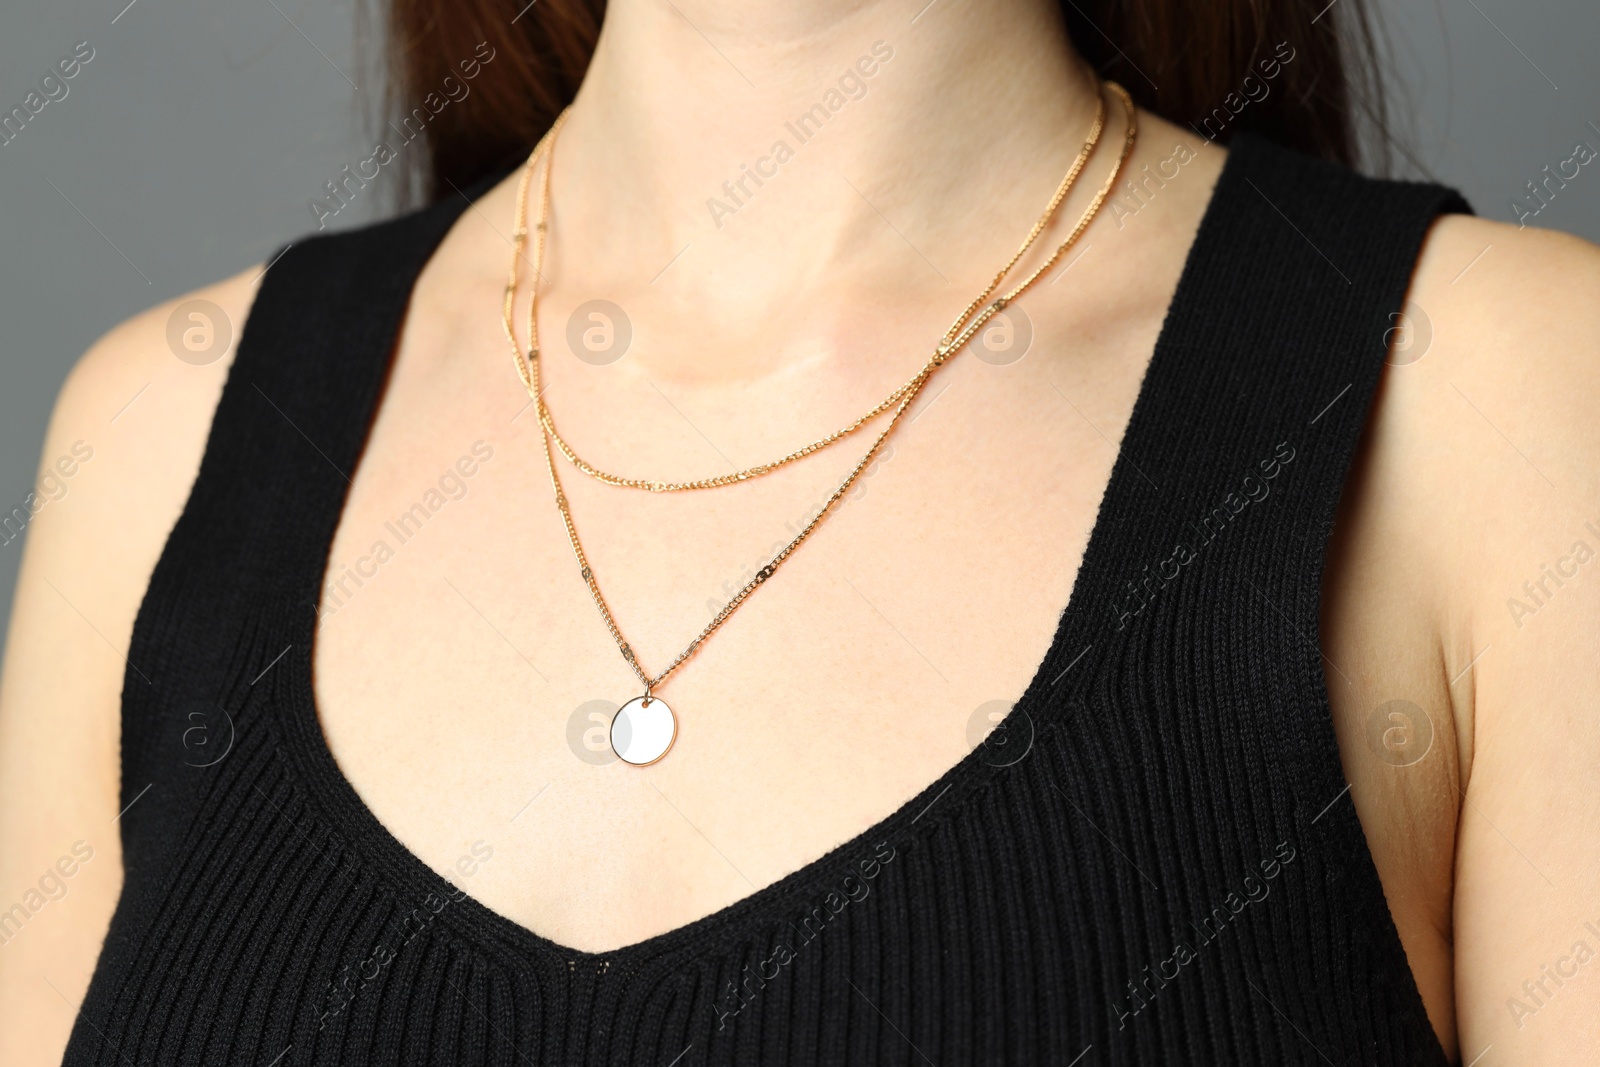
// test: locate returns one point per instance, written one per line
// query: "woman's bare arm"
(1471, 600)
(121, 453)
(1518, 336)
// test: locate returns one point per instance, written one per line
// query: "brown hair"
(1217, 67)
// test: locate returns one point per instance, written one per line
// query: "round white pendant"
(643, 730)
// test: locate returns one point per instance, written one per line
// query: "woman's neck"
(768, 131)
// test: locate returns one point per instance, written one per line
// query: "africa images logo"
(785, 950)
(1186, 950)
(1199, 536)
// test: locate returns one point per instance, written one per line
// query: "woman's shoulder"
(130, 422)
(143, 395)
(198, 329)
(122, 450)
(1472, 508)
(1494, 274)
(1492, 437)
(1478, 463)
(1495, 376)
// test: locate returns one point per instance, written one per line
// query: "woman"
(1260, 521)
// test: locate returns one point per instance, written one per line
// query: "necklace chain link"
(528, 366)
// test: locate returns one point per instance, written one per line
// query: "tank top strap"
(1201, 587)
(240, 575)
(1247, 423)
(311, 367)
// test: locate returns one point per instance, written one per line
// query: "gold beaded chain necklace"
(950, 342)
(644, 729)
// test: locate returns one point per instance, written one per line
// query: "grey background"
(189, 147)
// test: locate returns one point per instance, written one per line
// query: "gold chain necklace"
(644, 729)
(952, 340)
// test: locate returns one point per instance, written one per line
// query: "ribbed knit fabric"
(1160, 864)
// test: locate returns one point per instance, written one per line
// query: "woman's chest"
(466, 678)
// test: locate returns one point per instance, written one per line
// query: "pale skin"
(846, 684)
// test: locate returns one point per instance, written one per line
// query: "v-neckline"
(1069, 660)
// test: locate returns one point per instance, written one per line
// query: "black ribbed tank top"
(1154, 860)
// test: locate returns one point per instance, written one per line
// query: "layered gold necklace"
(644, 729)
